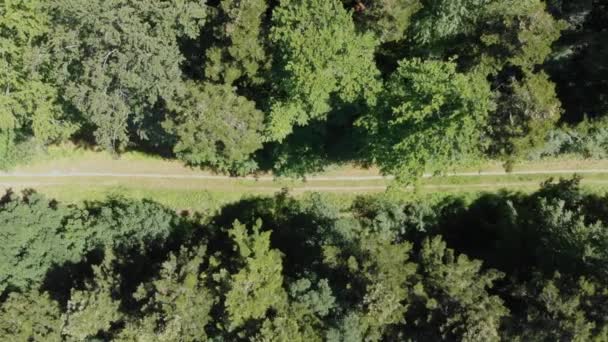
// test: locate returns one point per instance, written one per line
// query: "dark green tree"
(240, 53)
(389, 19)
(452, 297)
(37, 234)
(123, 224)
(117, 59)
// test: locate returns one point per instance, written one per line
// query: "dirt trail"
(69, 174)
(165, 179)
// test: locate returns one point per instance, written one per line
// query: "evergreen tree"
(37, 234)
(116, 60)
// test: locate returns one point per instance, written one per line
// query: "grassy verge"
(206, 195)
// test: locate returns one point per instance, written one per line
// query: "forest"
(291, 86)
(506, 266)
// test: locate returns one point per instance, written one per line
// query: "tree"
(118, 59)
(258, 285)
(561, 308)
(30, 316)
(506, 41)
(388, 274)
(302, 319)
(526, 111)
(439, 20)
(94, 309)
(453, 295)
(37, 234)
(320, 56)
(488, 35)
(177, 304)
(389, 19)
(428, 118)
(123, 224)
(216, 127)
(579, 64)
(240, 51)
(28, 99)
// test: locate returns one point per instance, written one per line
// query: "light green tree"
(258, 285)
(177, 304)
(385, 266)
(216, 127)
(28, 99)
(302, 319)
(453, 291)
(429, 117)
(320, 56)
(94, 309)
(561, 308)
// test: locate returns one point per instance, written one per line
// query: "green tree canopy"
(216, 127)
(28, 98)
(30, 316)
(258, 286)
(389, 19)
(320, 55)
(37, 234)
(117, 59)
(241, 43)
(429, 118)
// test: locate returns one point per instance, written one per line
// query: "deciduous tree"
(320, 57)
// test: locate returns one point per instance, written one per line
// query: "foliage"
(93, 309)
(389, 19)
(430, 108)
(30, 316)
(117, 59)
(240, 53)
(300, 73)
(526, 112)
(588, 139)
(37, 234)
(126, 224)
(28, 99)
(177, 304)
(257, 287)
(441, 19)
(320, 55)
(472, 313)
(216, 127)
(506, 266)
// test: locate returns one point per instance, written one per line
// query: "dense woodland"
(294, 85)
(506, 266)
